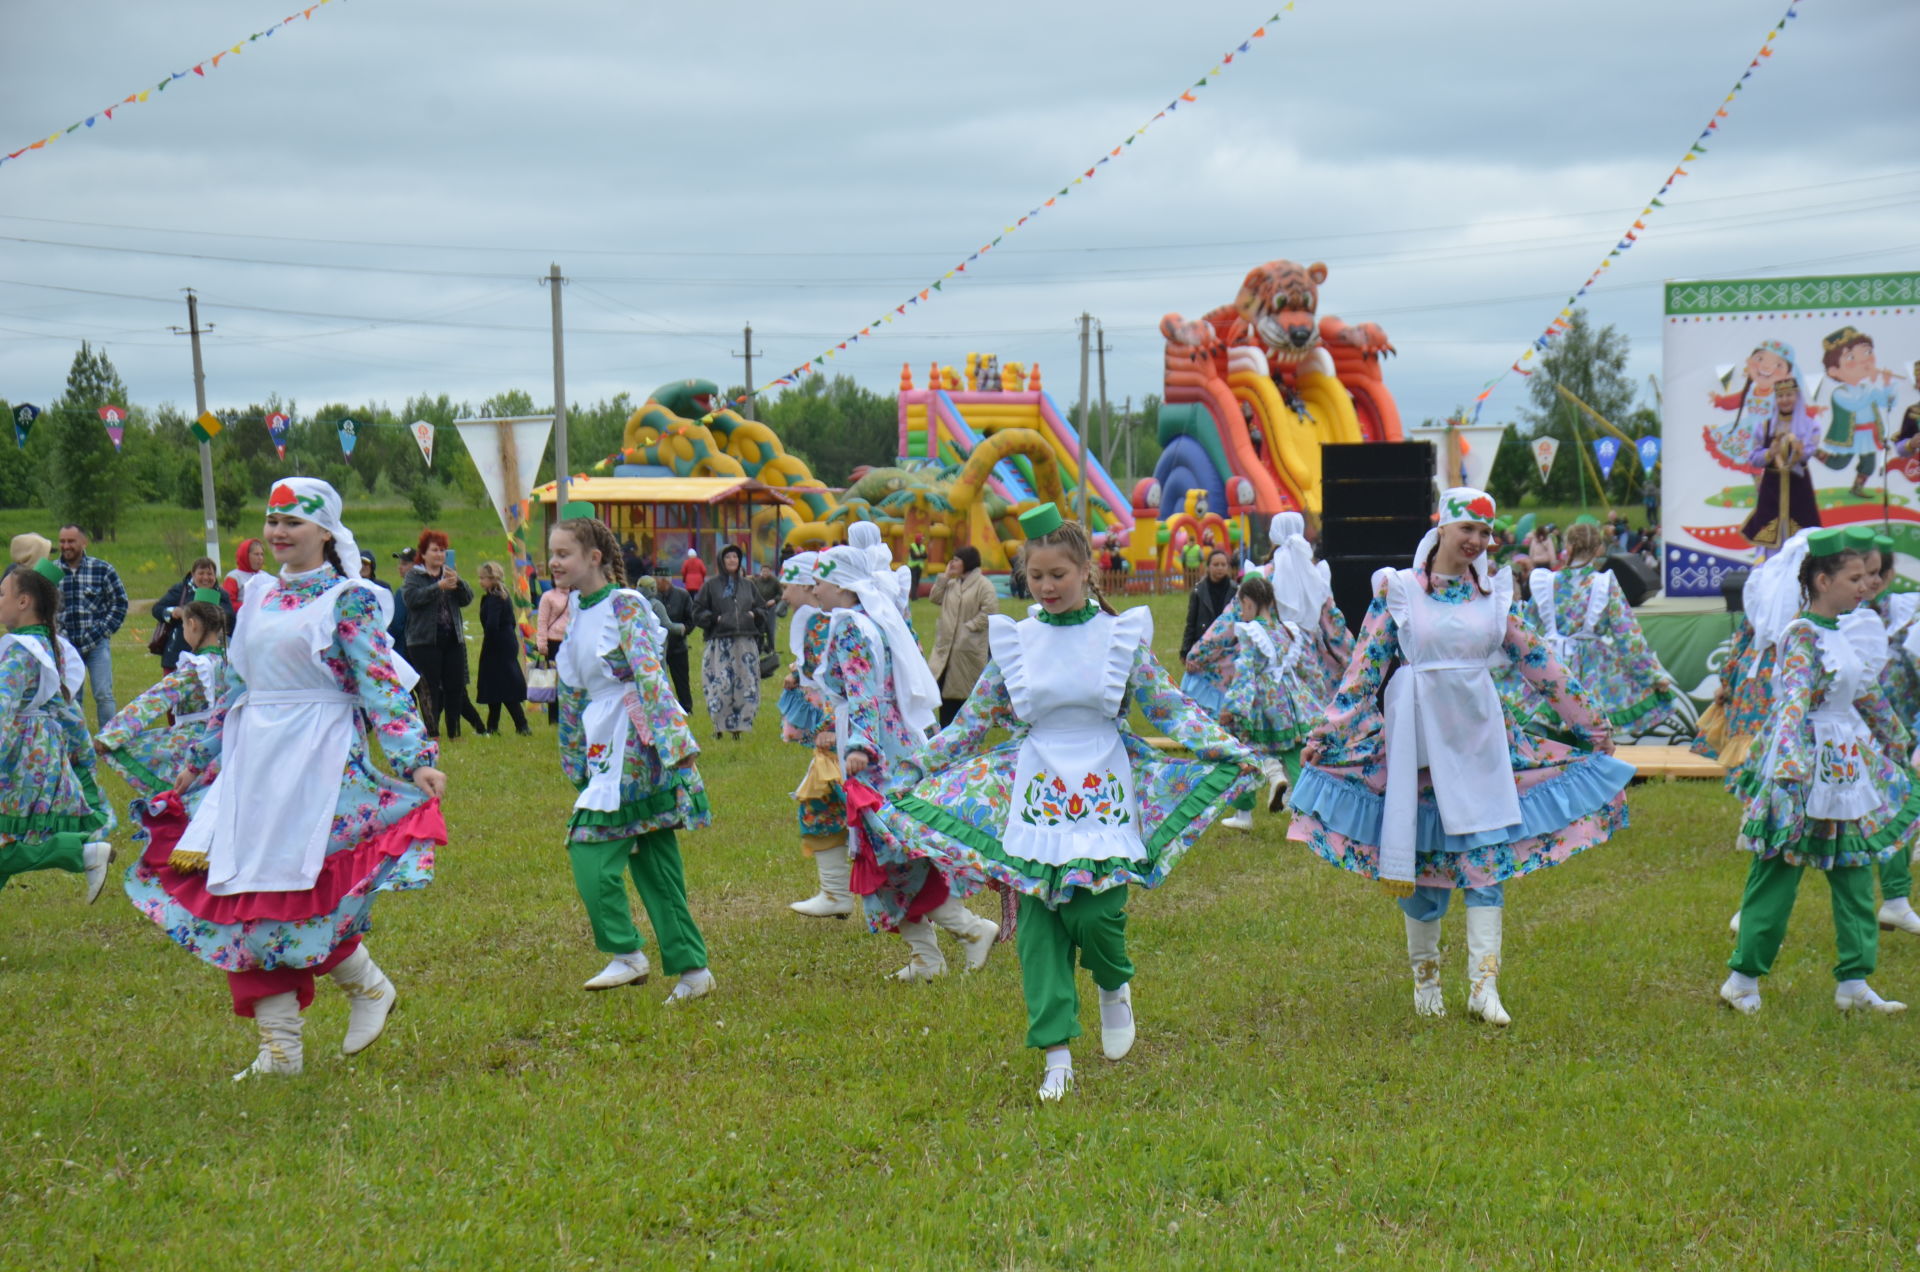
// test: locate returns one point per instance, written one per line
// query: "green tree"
(83, 480)
(1592, 363)
(19, 466)
(1513, 473)
(836, 426)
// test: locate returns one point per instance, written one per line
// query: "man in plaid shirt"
(93, 605)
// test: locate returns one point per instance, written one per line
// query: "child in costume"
(293, 832)
(1826, 792)
(820, 799)
(1441, 791)
(1866, 627)
(152, 741)
(1075, 808)
(1273, 691)
(1303, 596)
(626, 747)
(1585, 619)
(884, 699)
(51, 813)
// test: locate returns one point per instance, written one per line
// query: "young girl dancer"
(1865, 627)
(1825, 793)
(1076, 807)
(51, 813)
(153, 739)
(293, 831)
(625, 745)
(1587, 622)
(1273, 696)
(820, 799)
(884, 700)
(1303, 597)
(1442, 792)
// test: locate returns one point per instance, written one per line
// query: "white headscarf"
(866, 536)
(1771, 595)
(1458, 504)
(914, 687)
(799, 569)
(310, 499)
(1301, 587)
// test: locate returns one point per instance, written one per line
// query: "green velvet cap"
(1860, 538)
(211, 595)
(576, 509)
(1827, 542)
(1042, 520)
(49, 569)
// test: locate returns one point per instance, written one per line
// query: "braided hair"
(1815, 567)
(1255, 590)
(212, 619)
(45, 595)
(1072, 536)
(593, 535)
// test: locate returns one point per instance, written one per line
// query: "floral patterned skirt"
(1636, 699)
(41, 793)
(730, 679)
(957, 817)
(1777, 824)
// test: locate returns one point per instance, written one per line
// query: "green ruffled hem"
(50, 824)
(1848, 848)
(1659, 699)
(658, 804)
(143, 779)
(1277, 739)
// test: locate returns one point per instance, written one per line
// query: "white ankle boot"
(1897, 915)
(1240, 819)
(97, 856)
(1857, 994)
(835, 898)
(1276, 775)
(927, 961)
(625, 969)
(370, 999)
(1423, 954)
(1116, 1022)
(280, 1022)
(975, 934)
(1483, 963)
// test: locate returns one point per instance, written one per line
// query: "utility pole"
(1126, 427)
(1086, 328)
(561, 468)
(207, 504)
(748, 355)
(1106, 413)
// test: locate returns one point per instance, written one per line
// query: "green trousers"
(1092, 925)
(1896, 877)
(49, 852)
(599, 872)
(1771, 885)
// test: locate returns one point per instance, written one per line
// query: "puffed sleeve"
(362, 657)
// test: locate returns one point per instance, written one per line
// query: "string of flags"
(209, 426)
(1188, 97)
(200, 69)
(1694, 152)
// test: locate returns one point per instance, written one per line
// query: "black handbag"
(769, 657)
(162, 636)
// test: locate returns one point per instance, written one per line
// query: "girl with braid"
(1440, 791)
(625, 746)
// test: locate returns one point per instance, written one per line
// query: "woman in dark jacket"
(436, 640)
(729, 610)
(501, 682)
(1209, 597)
(203, 575)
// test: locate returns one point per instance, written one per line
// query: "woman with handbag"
(549, 629)
(436, 636)
(728, 609)
(500, 683)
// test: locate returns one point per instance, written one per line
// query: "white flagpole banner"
(1544, 449)
(507, 452)
(423, 434)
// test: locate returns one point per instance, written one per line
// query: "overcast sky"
(693, 167)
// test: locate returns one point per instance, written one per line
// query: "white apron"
(265, 822)
(1073, 786)
(1280, 665)
(203, 667)
(1543, 583)
(72, 670)
(1842, 789)
(1443, 714)
(611, 714)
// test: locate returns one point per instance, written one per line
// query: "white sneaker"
(625, 969)
(371, 1000)
(1742, 993)
(1242, 819)
(691, 985)
(280, 1023)
(1116, 1022)
(97, 855)
(1848, 995)
(1897, 915)
(1056, 1081)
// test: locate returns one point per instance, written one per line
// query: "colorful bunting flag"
(207, 427)
(114, 417)
(423, 434)
(1605, 451)
(1544, 449)
(23, 417)
(277, 427)
(1649, 449)
(349, 434)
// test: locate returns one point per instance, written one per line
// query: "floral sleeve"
(1336, 642)
(1635, 656)
(1352, 730)
(1797, 681)
(1175, 714)
(987, 708)
(177, 693)
(671, 736)
(849, 673)
(1539, 668)
(19, 677)
(1888, 729)
(361, 659)
(813, 643)
(572, 734)
(1213, 652)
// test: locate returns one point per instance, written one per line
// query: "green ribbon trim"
(136, 773)
(1284, 739)
(1821, 620)
(1073, 619)
(33, 629)
(1654, 701)
(660, 803)
(53, 823)
(588, 602)
(1848, 843)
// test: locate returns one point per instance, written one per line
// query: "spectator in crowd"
(550, 618)
(693, 573)
(1542, 548)
(649, 589)
(770, 590)
(916, 566)
(729, 610)
(1191, 556)
(397, 630)
(436, 636)
(93, 606)
(203, 575)
(966, 598)
(29, 550)
(1209, 596)
(679, 608)
(502, 682)
(248, 561)
(631, 560)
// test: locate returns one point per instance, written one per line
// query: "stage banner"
(1831, 359)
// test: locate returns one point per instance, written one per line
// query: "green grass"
(1283, 1107)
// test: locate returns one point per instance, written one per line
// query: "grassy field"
(1283, 1108)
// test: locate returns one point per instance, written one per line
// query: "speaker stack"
(1376, 500)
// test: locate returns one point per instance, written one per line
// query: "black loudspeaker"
(1376, 500)
(1733, 590)
(1637, 577)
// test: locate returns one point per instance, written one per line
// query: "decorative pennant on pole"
(349, 434)
(207, 427)
(277, 427)
(1605, 451)
(1649, 450)
(23, 417)
(423, 434)
(1544, 449)
(115, 419)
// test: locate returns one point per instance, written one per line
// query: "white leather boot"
(97, 856)
(927, 961)
(835, 898)
(1483, 963)
(975, 934)
(1239, 819)
(1423, 954)
(625, 969)
(370, 999)
(1276, 774)
(280, 1022)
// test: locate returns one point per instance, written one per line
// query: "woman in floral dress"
(626, 747)
(1075, 808)
(1585, 618)
(729, 610)
(153, 739)
(884, 699)
(51, 814)
(1442, 791)
(272, 879)
(820, 800)
(1833, 788)
(1303, 597)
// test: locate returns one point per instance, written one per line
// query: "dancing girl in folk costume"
(292, 831)
(1075, 807)
(1832, 788)
(820, 798)
(1747, 674)
(1586, 621)
(153, 739)
(51, 814)
(1273, 694)
(1441, 791)
(884, 699)
(626, 747)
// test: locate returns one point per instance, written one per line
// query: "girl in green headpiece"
(152, 741)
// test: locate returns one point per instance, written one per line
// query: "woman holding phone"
(436, 638)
